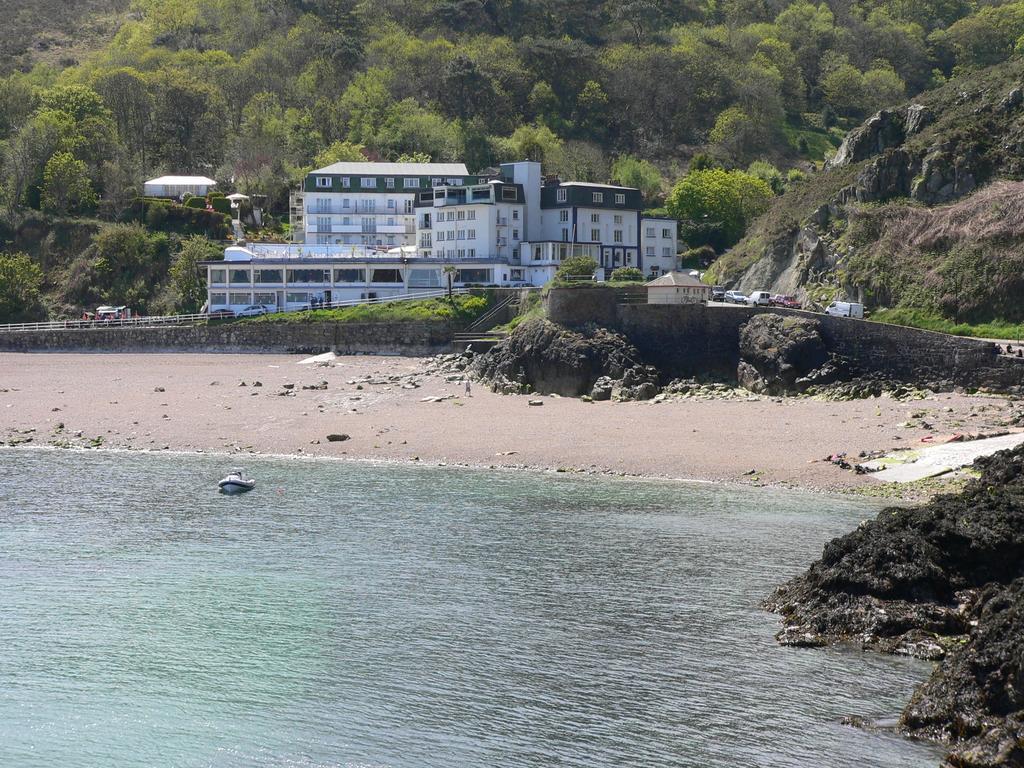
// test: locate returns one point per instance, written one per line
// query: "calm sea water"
(362, 615)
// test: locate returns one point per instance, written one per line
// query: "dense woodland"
(744, 95)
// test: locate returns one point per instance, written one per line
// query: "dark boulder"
(945, 580)
(540, 356)
(776, 351)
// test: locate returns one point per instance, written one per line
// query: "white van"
(762, 298)
(845, 309)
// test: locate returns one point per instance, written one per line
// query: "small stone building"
(677, 288)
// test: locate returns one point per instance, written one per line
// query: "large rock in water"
(540, 356)
(776, 350)
(944, 581)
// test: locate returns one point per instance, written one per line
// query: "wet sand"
(197, 403)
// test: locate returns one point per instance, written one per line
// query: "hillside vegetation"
(922, 211)
(101, 94)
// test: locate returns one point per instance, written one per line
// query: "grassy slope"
(55, 32)
(462, 309)
(951, 263)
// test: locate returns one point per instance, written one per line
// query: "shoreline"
(411, 411)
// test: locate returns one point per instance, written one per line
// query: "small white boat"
(236, 482)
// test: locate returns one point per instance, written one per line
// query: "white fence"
(159, 320)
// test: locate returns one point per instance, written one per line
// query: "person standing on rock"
(469, 389)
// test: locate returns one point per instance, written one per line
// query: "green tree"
(21, 282)
(340, 152)
(125, 264)
(630, 171)
(576, 267)
(66, 186)
(715, 206)
(188, 278)
(769, 174)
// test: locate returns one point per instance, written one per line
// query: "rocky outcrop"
(884, 130)
(944, 581)
(777, 351)
(540, 356)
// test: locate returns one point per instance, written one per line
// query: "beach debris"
(321, 385)
(436, 398)
(214, 383)
(338, 437)
(159, 389)
(288, 386)
(535, 402)
(242, 384)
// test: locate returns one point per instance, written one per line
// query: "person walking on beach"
(469, 392)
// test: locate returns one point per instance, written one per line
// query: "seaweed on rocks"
(944, 581)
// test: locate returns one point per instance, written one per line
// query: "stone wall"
(424, 338)
(691, 339)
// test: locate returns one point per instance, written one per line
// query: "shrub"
(221, 205)
(627, 275)
(194, 201)
(577, 266)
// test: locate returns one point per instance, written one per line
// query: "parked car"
(253, 310)
(717, 293)
(845, 309)
(759, 298)
(220, 314)
(779, 300)
(735, 297)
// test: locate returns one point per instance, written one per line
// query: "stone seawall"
(414, 339)
(691, 339)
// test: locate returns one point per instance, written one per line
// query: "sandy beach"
(391, 409)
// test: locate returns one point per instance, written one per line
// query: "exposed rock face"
(776, 351)
(540, 356)
(943, 581)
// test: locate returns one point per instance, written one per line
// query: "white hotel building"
(373, 230)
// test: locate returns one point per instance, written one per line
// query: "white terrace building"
(512, 230)
(366, 203)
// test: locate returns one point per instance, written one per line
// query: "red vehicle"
(790, 302)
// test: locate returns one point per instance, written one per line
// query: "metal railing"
(192, 319)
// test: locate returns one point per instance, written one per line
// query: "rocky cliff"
(906, 213)
(946, 582)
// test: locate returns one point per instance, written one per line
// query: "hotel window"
(667, 234)
(620, 199)
(389, 183)
(471, 253)
(238, 276)
(309, 275)
(462, 234)
(323, 182)
(515, 214)
(387, 276)
(471, 215)
(471, 234)
(508, 193)
(346, 182)
(462, 253)
(424, 278)
(218, 275)
(598, 197)
(451, 215)
(595, 235)
(649, 232)
(346, 203)
(350, 275)
(649, 250)
(618, 218)
(391, 205)
(240, 298)
(296, 298)
(565, 234)
(461, 216)
(515, 234)
(265, 298)
(218, 298)
(368, 182)
(268, 276)
(595, 218)
(561, 196)
(563, 215)
(617, 236)
(666, 251)
(411, 183)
